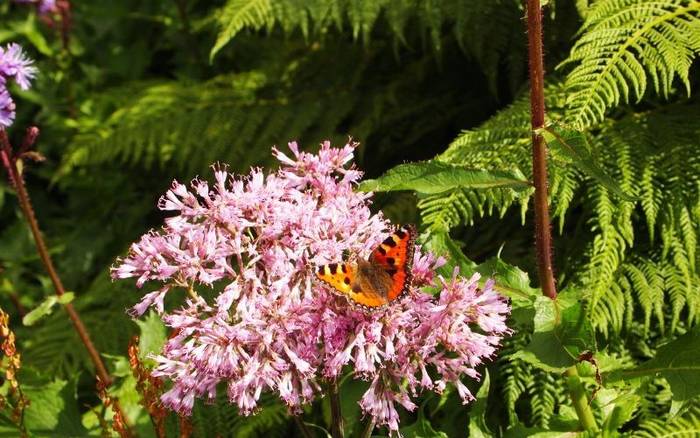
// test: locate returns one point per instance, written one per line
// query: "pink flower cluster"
(245, 248)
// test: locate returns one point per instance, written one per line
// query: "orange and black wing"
(395, 256)
(343, 277)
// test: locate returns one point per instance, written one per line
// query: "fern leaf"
(239, 14)
(626, 43)
(686, 425)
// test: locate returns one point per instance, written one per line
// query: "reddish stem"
(543, 235)
(10, 163)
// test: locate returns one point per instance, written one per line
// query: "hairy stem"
(337, 426)
(580, 400)
(543, 235)
(10, 163)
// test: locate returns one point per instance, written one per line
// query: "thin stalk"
(369, 428)
(580, 400)
(337, 426)
(305, 432)
(10, 163)
(543, 233)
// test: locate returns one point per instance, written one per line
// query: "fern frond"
(544, 393)
(167, 123)
(653, 155)
(686, 425)
(488, 30)
(239, 14)
(626, 43)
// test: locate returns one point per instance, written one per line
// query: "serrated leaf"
(562, 332)
(430, 177)
(678, 362)
(619, 410)
(574, 145)
(152, 336)
(53, 409)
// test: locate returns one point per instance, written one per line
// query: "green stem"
(369, 428)
(305, 432)
(337, 426)
(580, 400)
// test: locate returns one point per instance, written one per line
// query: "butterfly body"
(381, 279)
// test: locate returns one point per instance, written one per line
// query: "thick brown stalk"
(10, 163)
(543, 234)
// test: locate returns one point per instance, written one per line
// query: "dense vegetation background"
(135, 94)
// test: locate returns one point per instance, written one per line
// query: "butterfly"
(383, 278)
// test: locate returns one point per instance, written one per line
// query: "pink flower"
(253, 243)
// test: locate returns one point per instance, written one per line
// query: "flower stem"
(10, 163)
(305, 432)
(543, 236)
(580, 400)
(369, 428)
(337, 426)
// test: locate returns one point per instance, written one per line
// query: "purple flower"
(14, 63)
(43, 6)
(7, 108)
(254, 242)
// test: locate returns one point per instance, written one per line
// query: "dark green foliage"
(146, 92)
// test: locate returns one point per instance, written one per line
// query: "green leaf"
(46, 307)
(153, 335)
(562, 331)
(619, 408)
(441, 244)
(678, 362)
(477, 413)
(421, 429)
(432, 177)
(514, 283)
(574, 145)
(352, 390)
(521, 431)
(53, 410)
(511, 281)
(66, 298)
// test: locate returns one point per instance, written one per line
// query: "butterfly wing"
(395, 256)
(345, 279)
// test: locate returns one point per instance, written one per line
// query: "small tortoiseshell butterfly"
(381, 279)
